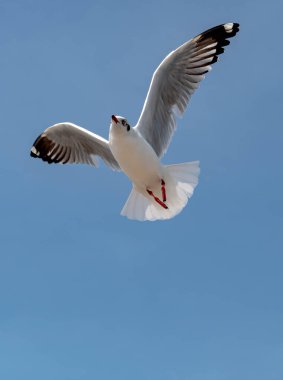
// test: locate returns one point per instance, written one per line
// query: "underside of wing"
(176, 79)
(67, 143)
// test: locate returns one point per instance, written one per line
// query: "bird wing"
(68, 143)
(174, 82)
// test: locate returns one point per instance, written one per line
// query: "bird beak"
(114, 118)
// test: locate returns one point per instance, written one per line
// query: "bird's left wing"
(68, 143)
(174, 82)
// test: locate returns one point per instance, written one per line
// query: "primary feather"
(175, 80)
(68, 143)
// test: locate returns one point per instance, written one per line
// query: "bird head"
(120, 122)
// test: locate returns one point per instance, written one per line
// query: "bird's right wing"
(67, 143)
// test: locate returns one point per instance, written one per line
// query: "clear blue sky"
(86, 294)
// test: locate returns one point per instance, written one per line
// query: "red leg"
(163, 190)
(162, 204)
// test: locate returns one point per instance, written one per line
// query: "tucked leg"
(163, 190)
(162, 204)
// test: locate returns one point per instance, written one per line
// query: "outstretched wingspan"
(174, 82)
(68, 143)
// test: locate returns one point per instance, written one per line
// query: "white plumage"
(159, 191)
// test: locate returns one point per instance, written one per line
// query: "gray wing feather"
(174, 82)
(68, 143)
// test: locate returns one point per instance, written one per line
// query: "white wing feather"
(68, 143)
(174, 82)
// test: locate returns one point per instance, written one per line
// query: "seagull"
(159, 191)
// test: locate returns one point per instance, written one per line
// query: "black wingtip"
(221, 32)
(41, 148)
(211, 43)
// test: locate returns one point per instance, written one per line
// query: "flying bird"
(159, 191)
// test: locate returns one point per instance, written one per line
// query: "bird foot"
(163, 190)
(162, 204)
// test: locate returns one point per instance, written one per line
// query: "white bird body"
(136, 157)
(159, 191)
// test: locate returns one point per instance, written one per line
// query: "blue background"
(85, 293)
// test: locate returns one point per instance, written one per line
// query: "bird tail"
(180, 182)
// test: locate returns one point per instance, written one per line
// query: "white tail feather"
(180, 180)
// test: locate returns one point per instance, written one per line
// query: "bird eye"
(123, 122)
